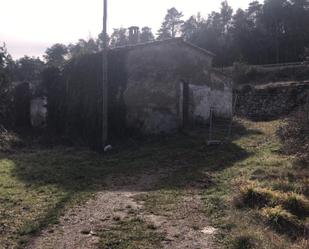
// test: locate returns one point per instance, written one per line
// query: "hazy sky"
(30, 26)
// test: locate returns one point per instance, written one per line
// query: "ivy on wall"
(75, 97)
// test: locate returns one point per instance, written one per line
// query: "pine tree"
(171, 26)
(146, 35)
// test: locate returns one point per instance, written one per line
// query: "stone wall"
(153, 97)
(144, 83)
(272, 100)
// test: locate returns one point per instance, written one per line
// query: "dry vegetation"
(9, 140)
(263, 199)
(295, 134)
(257, 75)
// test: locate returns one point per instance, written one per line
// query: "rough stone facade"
(272, 100)
(156, 87)
(154, 91)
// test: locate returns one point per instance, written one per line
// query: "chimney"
(133, 35)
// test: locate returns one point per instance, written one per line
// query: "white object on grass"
(107, 148)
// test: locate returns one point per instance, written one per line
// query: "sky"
(28, 27)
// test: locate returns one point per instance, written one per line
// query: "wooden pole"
(185, 105)
(104, 79)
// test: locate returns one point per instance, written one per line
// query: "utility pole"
(104, 80)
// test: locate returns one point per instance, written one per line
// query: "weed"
(282, 221)
(242, 242)
(296, 204)
(261, 182)
(130, 234)
(284, 185)
(251, 196)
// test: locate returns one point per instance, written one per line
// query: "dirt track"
(80, 226)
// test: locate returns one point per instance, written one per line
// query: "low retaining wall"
(272, 100)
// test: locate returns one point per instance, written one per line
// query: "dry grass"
(265, 195)
(284, 222)
(131, 234)
(252, 196)
(295, 135)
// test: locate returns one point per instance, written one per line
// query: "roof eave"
(179, 39)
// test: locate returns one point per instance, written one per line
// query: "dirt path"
(78, 228)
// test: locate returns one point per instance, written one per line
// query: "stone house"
(171, 84)
(155, 87)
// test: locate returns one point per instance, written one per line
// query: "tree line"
(275, 31)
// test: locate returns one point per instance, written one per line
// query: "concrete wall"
(203, 98)
(154, 87)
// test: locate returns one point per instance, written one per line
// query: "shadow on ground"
(57, 175)
(179, 159)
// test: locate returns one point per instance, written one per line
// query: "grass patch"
(257, 186)
(37, 185)
(284, 222)
(131, 234)
(160, 201)
(285, 186)
(297, 205)
(255, 197)
(243, 242)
